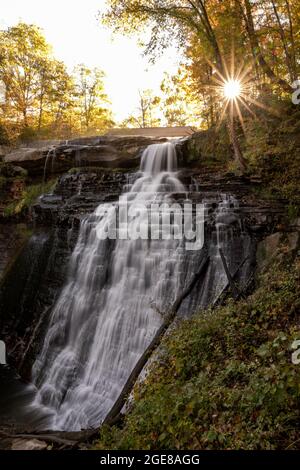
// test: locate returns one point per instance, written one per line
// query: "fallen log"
(191, 284)
(222, 293)
(51, 439)
(115, 413)
(60, 439)
(234, 289)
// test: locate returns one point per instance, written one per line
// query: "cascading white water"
(51, 154)
(104, 317)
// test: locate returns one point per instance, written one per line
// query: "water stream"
(110, 306)
(104, 318)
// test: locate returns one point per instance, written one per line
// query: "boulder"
(293, 241)
(295, 224)
(28, 444)
(11, 171)
(30, 159)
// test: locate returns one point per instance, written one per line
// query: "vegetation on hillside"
(224, 379)
(18, 192)
(272, 150)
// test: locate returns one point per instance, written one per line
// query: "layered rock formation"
(34, 282)
(103, 151)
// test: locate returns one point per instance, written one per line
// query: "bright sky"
(77, 37)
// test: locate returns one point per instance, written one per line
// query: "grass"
(28, 197)
(225, 379)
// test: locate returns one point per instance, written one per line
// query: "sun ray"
(263, 106)
(240, 115)
(223, 113)
(241, 98)
(247, 70)
(234, 87)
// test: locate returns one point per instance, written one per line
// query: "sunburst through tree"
(234, 88)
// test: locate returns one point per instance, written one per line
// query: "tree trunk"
(248, 18)
(221, 69)
(143, 110)
(284, 42)
(25, 121)
(238, 156)
(40, 112)
(293, 47)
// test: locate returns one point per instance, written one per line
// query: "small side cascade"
(51, 155)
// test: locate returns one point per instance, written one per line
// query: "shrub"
(225, 379)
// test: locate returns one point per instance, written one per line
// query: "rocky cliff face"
(34, 281)
(104, 151)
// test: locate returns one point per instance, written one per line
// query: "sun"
(232, 89)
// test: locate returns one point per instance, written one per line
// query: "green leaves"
(225, 381)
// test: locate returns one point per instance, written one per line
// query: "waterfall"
(97, 324)
(105, 316)
(51, 153)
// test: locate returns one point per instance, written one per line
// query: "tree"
(92, 100)
(55, 94)
(147, 112)
(257, 34)
(179, 106)
(148, 107)
(39, 92)
(23, 68)
(41, 98)
(247, 12)
(60, 116)
(181, 19)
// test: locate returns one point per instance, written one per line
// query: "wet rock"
(262, 217)
(35, 279)
(77, 194)
(28, 444)
(28, 158)
(104, 151)
(40, 273)
(11, 171)
(12, 239)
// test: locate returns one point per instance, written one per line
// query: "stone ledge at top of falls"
(103, 151)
